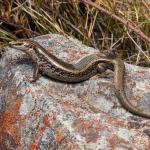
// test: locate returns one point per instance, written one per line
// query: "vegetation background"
(118, 26)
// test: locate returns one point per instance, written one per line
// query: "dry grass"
(25, 19)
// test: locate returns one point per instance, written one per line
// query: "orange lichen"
(90, 129)
(69, 146)
(37, 114)
(86, 125)
(34, 146)
(9, 124)
(41, 129)
(97, 125)
(114, 141)
(116, 122)
(49, 120)
(59, 137)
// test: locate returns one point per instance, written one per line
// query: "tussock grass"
(25, 19)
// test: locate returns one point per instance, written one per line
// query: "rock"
(50, 115)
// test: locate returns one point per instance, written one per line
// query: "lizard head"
(23, 45)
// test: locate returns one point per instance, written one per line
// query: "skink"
(85, 68)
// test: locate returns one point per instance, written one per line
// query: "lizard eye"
(17, 44)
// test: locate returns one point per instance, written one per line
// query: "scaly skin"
(85, 68)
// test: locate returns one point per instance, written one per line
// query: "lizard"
(82, 70)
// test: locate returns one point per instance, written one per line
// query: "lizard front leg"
(35, 73)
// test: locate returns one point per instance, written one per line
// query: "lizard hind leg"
(102, 67)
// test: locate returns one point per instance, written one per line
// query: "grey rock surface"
(51, 115)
